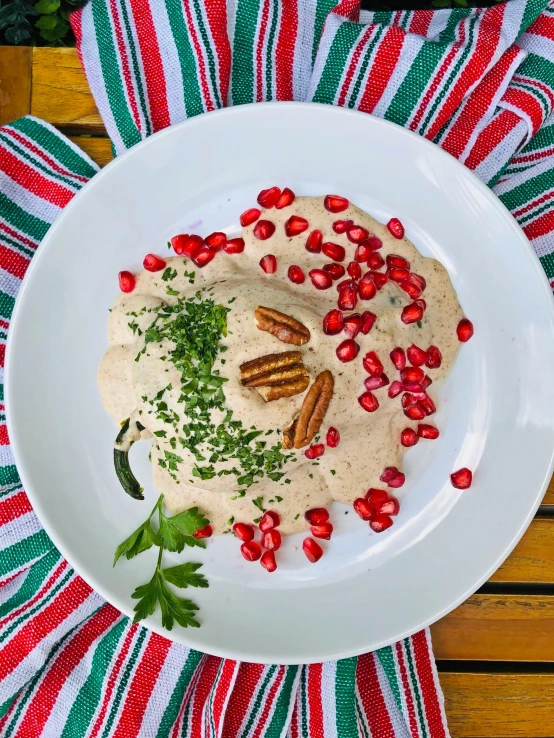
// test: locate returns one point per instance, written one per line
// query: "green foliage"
(42, 23)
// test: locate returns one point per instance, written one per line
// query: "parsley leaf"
(184, 576)
(177, 531)
(140, 540)
(173, 608)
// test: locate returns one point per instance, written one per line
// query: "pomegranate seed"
(191, 244)
(418, 281)
(317, 515)
(315, 451)
(333, 251)
(427, 431)
(296, 225)
(464, 330)
(352, 325)
(203, 256)
(251, 550)
(397, 274)
(313, 242)
(268, 198)
(372, 363)
(341, 226)
(373, 383)
(395, 389)
(205, 532)
(354, 270)
(296, 274)
(335, 203)
(411, 289)
(333, 437)
(396, 228)
(462, 478)
(428, 405)
(415, 412)
(413, 387)
(416, 356)
(413, 312)
(312, 549)
(380, 523)
(285, 199)
(350, 283)
(363, 252)
(379, 278)
(249, 216)
(322, 531)
(374, 243)
(408, 437)
(269, 264)
(243, 531)
(333, 323)
(398, 358)
(179, 242)
(271, 539)
(153, 263)
(412, 374)
(389, 473)
(376, 497)
(363, 508)
(434, 357)
(264, 229)
(367, 287)
(375, 261)
(389, 507)
(335, 270)
(127, 281)
(321, 279)
(408, 400)
(347, 350)
(397, 481)
(393, 260)
(368, 321)
(356, 234)
(216, 241)
(234, 246)
(348, 298)
(270, 519)
(268, 561)
(369, 402)
(426, 381)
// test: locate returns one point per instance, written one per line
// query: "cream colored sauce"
(369, 441)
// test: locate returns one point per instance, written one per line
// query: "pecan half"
(305, 427)
(275, 375)
(284, 327)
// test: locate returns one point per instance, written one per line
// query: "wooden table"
(495, 653)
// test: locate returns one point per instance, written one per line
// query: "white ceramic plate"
(496, 408)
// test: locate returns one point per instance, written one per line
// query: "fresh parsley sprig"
(173, 534)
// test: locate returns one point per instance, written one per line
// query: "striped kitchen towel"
(480, 83)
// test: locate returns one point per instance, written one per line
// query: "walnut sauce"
(369, 441)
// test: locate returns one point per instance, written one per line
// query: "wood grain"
(549, 496)
(60, 92)
(497, 628)
(533, 558)
(99, 149)
(499, 705)
(15, 82)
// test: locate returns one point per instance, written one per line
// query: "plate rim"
(58, 542)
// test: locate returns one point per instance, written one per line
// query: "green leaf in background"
(46, 22)
(45, 7)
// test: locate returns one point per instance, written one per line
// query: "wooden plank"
(99, 149)
(533, 558)
(499, 705)
(497, 628)
(15, 82)
(60, 92)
